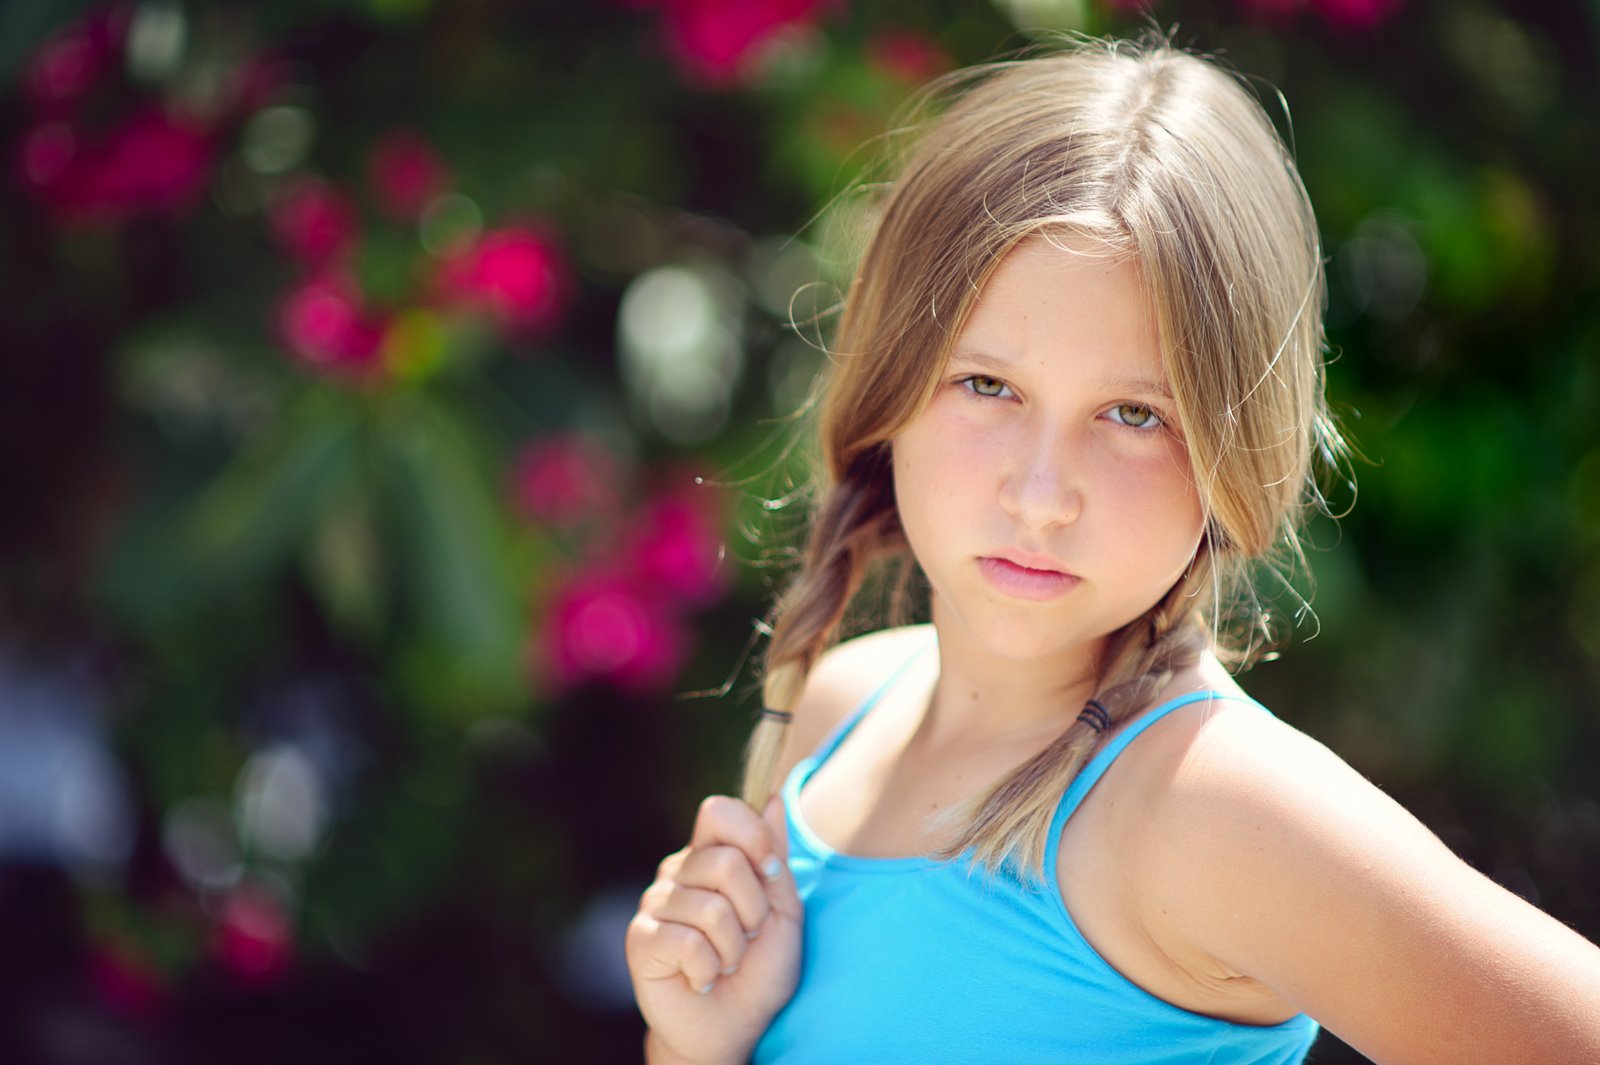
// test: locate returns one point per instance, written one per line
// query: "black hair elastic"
(780, 716)
(1094, 715)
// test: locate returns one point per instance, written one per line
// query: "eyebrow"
(1003, 367)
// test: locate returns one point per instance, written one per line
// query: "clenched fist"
(714, 950)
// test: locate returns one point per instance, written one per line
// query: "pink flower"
(151, 163)
(603, 626)
(677, 547)
(253, 936)
(565, 480)
(154, 163)
(1347, 15)
(47, 153)
(75, 58)
(713, 39)
(406, 174)
(313, 222)
(125, 982)
(514, 273)
(907, 55)
(1356, 15)
(323, 322)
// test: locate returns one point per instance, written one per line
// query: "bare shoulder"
(1263, 854)
(1223, 768)
(1223, 757)
(1244, 793)
(845, 675)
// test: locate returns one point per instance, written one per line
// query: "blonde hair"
(1162, 157)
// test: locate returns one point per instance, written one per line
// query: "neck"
(986, 699)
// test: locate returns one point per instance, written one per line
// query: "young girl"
(1078, 381)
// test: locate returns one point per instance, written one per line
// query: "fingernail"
(772, 868)
(707, 989)
(730, 970)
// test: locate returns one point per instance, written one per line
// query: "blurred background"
(391, 393)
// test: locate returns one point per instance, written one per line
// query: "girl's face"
(1045, 490)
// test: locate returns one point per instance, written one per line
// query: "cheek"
(1153, 491)
(947, 454)
(944, 471)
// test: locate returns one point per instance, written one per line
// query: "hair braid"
(1010, 824)
(856, 525)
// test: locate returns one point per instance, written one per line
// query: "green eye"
(1136, 416)
(985, 386)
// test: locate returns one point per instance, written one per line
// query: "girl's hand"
(715, 947)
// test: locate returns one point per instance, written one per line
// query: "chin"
(1015, 635)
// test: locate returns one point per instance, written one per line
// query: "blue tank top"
(916, 960)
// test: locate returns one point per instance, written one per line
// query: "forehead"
(1053, 296)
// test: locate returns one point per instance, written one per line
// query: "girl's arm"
(1299, 873)
(714, 949)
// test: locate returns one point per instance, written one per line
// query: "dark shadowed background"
(360, 359)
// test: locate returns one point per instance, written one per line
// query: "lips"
(1023, 575)
(1029, 560)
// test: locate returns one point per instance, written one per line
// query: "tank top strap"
(1096, 767)
(843, 728)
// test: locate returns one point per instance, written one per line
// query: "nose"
(1043, 484)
